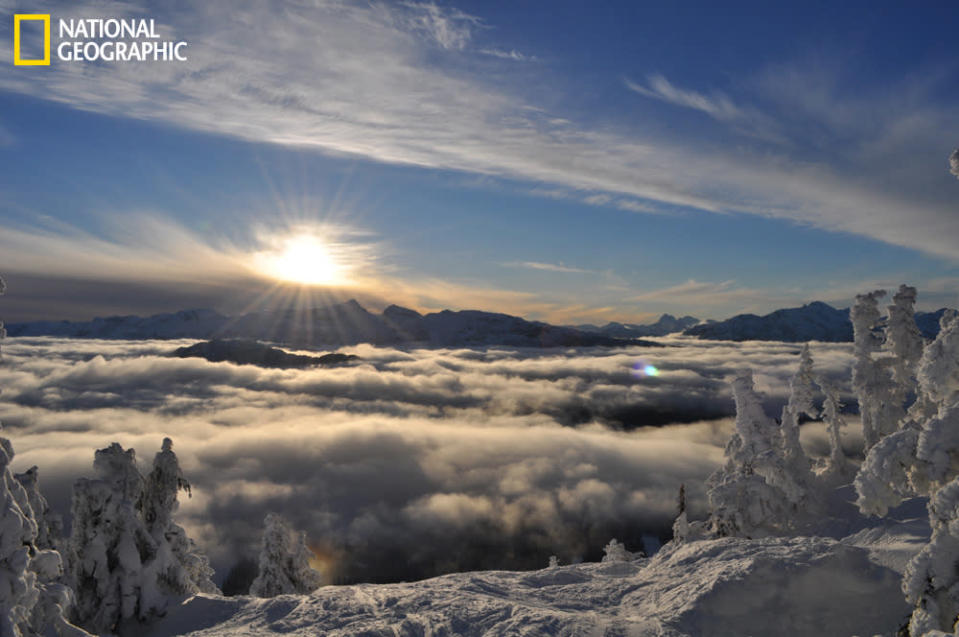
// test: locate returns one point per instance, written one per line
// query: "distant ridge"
(334, 325)
(247, 352)
(666, 324)
(815, 321)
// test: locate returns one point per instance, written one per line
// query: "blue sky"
(557, 160)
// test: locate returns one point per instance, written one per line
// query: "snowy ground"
(775, 586)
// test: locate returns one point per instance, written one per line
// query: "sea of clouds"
(410, 463)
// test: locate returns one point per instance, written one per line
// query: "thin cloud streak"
(546, 267)
(718, 106)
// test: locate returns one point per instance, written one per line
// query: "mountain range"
(334, 325)
(814, 321)
(350, 323)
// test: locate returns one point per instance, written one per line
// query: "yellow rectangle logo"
(17, 19)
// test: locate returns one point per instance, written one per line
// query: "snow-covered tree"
(681, 523)
(284, 561)
(180, 568)
(797, 474)
(49, 524)
(109, 544)
(922, 458)
(32, 601)
(127, 558)
(743, 499)
(838, 469)
(924, 455)
(904, 341)
(870, 376)
(616, 551)
(930, 582)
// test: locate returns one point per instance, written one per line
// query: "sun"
(302, 258)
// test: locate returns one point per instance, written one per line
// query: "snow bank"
(729, 586)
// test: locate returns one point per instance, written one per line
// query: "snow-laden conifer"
(871, 380)
(681, 523)
(838, 469)
(127, 558)
(179, 567)
(32, 600)
(904, 342)
(743, 500)
(796, 473)
(49, 524)
(616, 551)
(284, 561)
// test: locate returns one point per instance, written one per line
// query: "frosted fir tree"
(937, 440)
(796, 474)
(838, 469)
(871, 380)
(32, 600)
(921, 457)
(284, 561)
(930, 581)
(905, 343)
(49, 524)
(127, 558)
(109, 544)
(681, 523)
(616, 551)
(178, 566)
(742, 501)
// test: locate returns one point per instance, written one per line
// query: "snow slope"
(730, 586)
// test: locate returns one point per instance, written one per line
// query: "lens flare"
(642, 369)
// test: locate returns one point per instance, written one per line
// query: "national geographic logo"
(17, 44)
(93, 40)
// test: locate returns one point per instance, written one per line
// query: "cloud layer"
(412, 463)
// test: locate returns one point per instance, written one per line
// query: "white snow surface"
(729, 586)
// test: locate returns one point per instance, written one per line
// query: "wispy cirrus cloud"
(546, 267)
(370, 88)
(450, 28)
(658, 87)
(512, 54)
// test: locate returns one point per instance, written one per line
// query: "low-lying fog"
(409, 463)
